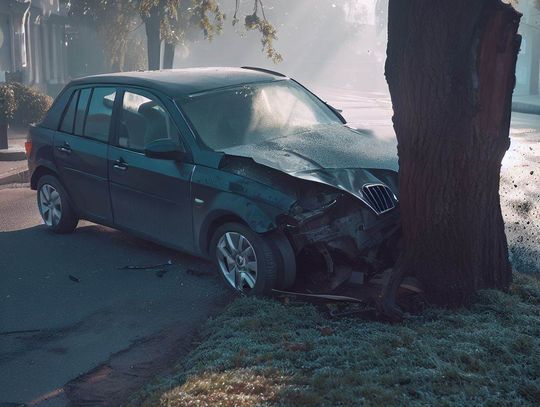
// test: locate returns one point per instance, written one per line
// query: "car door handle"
(120, 165)
(64, 148)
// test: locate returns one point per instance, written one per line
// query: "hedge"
(22, 105)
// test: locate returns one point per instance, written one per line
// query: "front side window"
(143, 119)
(255, 113)
(98, 119)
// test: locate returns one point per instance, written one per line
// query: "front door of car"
(150, 196)
(80, 151)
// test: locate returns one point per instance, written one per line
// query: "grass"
(262, 352)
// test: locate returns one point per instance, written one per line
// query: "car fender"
(40, 168)
(212, 208)
(220, 196)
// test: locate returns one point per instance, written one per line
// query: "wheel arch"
(39, 172)
(212, 223)
(43, 170)
(278, 241)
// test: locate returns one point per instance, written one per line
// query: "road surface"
(65, 306)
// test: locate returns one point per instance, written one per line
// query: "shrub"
(32, 104)
(7, 104)
(29, 104)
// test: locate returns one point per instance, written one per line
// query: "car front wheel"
(54, 206)
(245, 259)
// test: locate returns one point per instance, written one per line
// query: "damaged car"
(243, 166)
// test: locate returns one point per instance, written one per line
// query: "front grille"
(380, 197)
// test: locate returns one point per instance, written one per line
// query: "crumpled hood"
(326, 147)
(333, 155)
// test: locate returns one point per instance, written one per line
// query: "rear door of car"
(150, 196)
(80, 150)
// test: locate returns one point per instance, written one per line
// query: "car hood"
(323, 148)
(337, 156)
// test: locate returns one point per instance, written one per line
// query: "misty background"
(324, 43)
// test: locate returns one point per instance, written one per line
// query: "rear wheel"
(245, 259)
(54, 206)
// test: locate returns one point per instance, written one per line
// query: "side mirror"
(165, 149)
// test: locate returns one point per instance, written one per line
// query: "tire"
(54, 206)
(236, 266)
(286, 273)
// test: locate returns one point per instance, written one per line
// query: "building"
(528, 67)
(33, 43)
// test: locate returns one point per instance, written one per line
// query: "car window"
(143, 119)
(255, 113)
(98, 119)
(81, 111)
(69, 115)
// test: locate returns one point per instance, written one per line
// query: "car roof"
(184, 82)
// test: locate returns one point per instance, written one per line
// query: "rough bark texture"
(451, 73)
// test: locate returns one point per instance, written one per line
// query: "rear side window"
(98, 120)
(84, 97)
(69, 115)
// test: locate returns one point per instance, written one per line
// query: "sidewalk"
(526, 104)
(14, 172)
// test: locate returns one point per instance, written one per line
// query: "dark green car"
(240, 165)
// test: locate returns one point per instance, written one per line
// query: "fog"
(323, 43)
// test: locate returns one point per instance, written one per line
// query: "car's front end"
(340, 221)
(342, 213)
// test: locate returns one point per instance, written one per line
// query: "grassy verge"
(262, 352)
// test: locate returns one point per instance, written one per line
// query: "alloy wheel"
(237, 261)
(50, 205)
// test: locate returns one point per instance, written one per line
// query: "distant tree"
(169, 21)
(260, 23)
(165, 21)
(451, 73)
(114, 21)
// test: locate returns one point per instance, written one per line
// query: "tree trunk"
(451, 72)
(168, 55)
(153, 38)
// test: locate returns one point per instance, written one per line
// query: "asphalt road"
(66, 307)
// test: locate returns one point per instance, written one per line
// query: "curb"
(13, 154)
(17, 177)
(528, 108)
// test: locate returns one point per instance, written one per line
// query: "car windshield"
(254, 113)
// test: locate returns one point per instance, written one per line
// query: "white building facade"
(528, 66)
(33, 43)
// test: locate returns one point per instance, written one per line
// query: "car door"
(150, 196)
(80, 151)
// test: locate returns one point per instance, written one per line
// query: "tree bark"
(168, 55)
(451, 72)
(153, 38)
